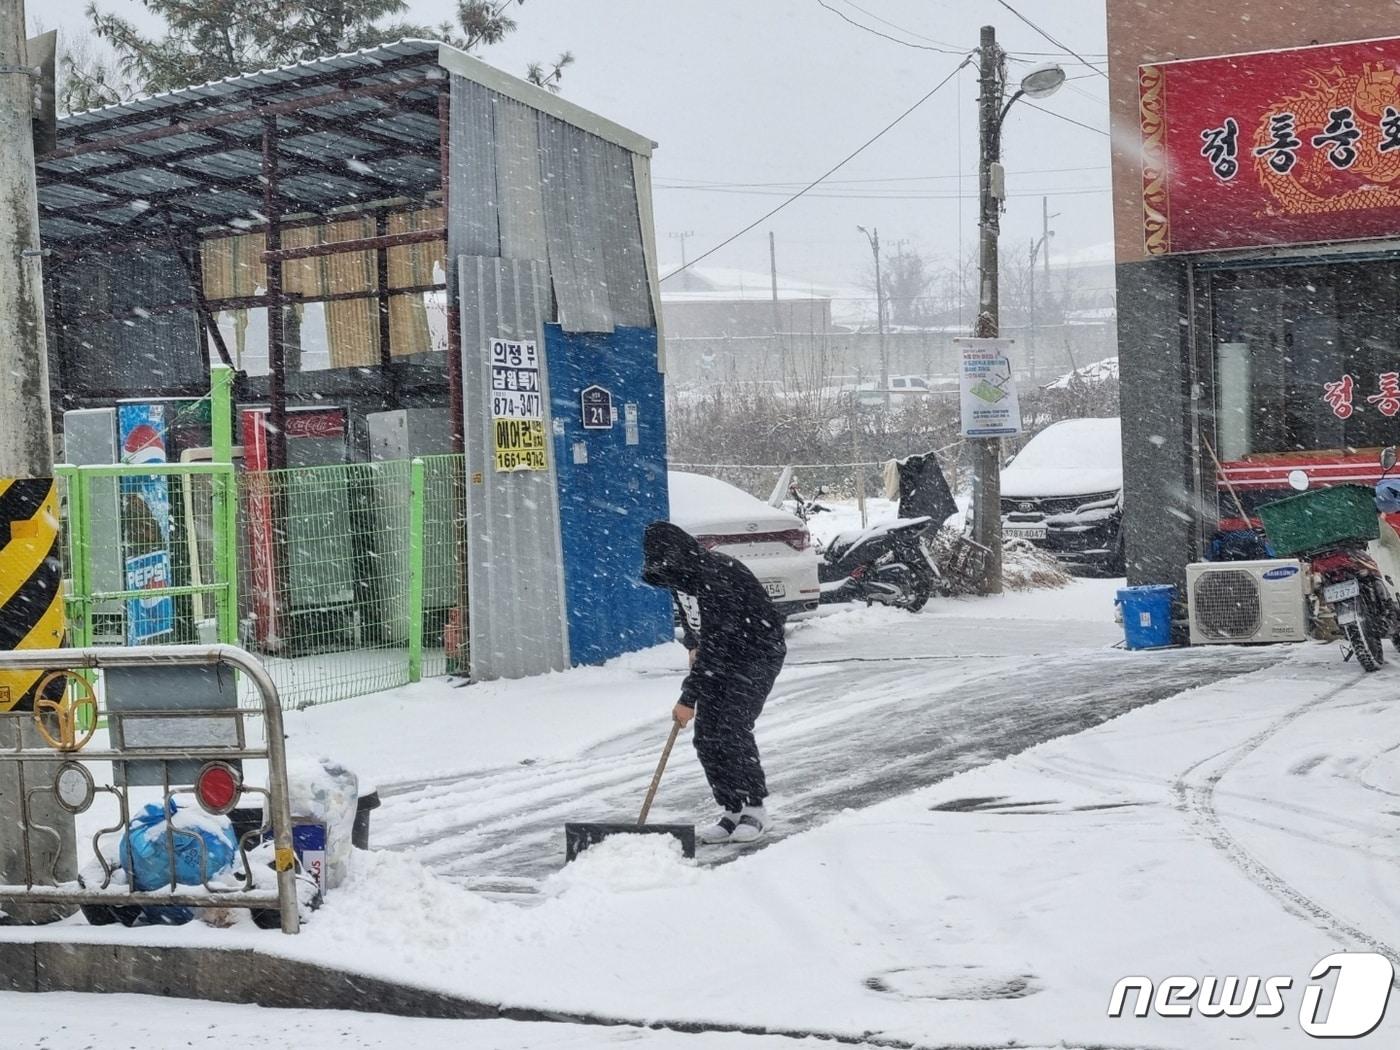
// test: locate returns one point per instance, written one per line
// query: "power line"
(1067, 120)
(830, 171)
(1100, 55)
(890, 196)
(1047, 36)
(892, 25)
(1027, 58)
(907, 43)
(680, 183)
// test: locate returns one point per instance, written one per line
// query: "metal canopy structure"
(371, 214)
(353, 156)
(350, 130)
(350, 133)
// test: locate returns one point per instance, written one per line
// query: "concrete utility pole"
(683, 236)
(1045, 218)
(1034, 339)
(777, 315)
(26, 427)
(873, 236)
(986, 452)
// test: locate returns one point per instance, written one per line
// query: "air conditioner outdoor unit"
(1237, 602)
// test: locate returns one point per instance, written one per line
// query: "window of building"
(1306, 358)
(335, 321)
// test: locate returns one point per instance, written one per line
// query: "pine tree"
(208, 40)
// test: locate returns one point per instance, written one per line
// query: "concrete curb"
(235, 975)
(243, 975)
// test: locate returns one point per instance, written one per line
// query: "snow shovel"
(578, 836)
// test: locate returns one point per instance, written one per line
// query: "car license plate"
(775, 588)
(1340, 592)
(1024, 534)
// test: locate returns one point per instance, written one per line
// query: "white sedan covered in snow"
(772, 543)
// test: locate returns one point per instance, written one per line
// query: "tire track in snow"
(1197, 800)
(862, 733)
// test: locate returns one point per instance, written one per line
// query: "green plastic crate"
(1321, 518)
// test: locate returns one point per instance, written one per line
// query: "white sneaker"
(721, 830)
(752, 822)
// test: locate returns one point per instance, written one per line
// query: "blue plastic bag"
(145, 853)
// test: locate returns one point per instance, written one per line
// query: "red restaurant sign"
(1277, 147)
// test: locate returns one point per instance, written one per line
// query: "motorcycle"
(900, 564)
(1354, 574)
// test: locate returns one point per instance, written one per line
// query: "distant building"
(726, 326)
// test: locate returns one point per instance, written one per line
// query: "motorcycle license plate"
(775, 588)
(1340, 592)
(1024, 534)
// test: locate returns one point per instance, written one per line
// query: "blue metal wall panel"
(605, 503)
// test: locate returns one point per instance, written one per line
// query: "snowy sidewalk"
(1244, 827)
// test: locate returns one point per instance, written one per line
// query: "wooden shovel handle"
(660, 768)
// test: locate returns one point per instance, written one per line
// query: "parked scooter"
(893, 564)
(1352, 551)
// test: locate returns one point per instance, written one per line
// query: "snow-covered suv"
(1064, 492)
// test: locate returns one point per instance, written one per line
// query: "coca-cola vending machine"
(302, 575)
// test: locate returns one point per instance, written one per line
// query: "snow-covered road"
(873, 704)
(1243, 825)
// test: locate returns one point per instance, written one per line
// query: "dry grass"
(1026, 567)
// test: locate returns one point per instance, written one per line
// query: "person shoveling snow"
(736, 651)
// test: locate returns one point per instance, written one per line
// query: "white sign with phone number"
(515, 380)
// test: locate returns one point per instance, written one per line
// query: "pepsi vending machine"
(145, 523)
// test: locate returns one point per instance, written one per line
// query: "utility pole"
(986, 452)
(773, 272)
(777, 317)
(873, 236)
(26, 426)
(1037, 246)
(26, 451)
(1034, 340)
(1040, 82)
(1045, 236)
(683, 236)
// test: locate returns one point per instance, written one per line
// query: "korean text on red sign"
(1300, 146)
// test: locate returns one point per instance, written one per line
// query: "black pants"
(724, 721)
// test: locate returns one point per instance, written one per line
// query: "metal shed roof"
(351, 129)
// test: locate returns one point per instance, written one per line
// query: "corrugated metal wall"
(544, 226)
(525, 185)
(515, 576)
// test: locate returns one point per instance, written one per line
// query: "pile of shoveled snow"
(625, 863)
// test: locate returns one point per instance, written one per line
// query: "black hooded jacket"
(739, 625)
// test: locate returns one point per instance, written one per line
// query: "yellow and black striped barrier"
(31, 580)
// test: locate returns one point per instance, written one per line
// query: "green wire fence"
(345, 579)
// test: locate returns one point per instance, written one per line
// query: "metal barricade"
(44, 752)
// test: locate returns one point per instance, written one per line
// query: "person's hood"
(671, 557)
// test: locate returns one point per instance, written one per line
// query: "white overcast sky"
(744, 92)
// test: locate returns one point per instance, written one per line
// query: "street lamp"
(1040, 82)
(874, 238)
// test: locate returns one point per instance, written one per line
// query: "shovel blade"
(578, 836)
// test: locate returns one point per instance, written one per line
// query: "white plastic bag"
(325, 791)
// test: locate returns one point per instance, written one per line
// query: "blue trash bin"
(1147, 615)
